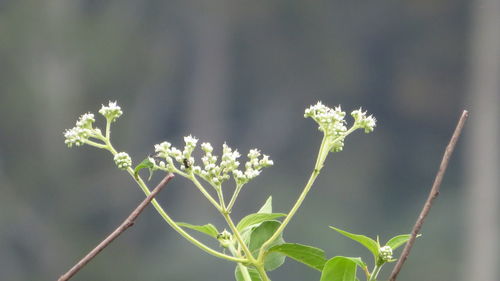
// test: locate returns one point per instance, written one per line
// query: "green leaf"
(146, 163)
(261, 234)
(369, 243)
(399, 240)
(256, 218)
(267, 208)
(254, 274)
(208, 229)
(339, 269)
(358, 261)
(307, 255)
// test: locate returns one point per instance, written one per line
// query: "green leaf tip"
(148, 163)
(257, 218)
(310, 256)
(267, 207)
(208, 229)
(367, 242)
(399, 240)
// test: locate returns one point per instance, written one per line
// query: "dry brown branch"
(432, 195)
(128, 222)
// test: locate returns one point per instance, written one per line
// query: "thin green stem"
(236, 233)
(322, 154)
(319, 164)
(108, 129)
(95, 144)
(202, 189)
(375, 272)
(233, 198)
(243, 268)
(262, 273)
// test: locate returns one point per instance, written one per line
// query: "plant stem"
(243, 269)
(375, 272)
(242, 244)
(205, 192)
(169, 220)
(233, 198)
(319, 163)
(324, 149)
(262, 272)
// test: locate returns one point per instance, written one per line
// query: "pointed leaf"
(208, 229)
(147, 163)
(307, 255)
(358, 261)
(339, 269)
(256, 218)
(399, 240)
(261, 234)
(267, 208)
(369, 243)
(254, 274)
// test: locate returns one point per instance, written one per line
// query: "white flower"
(207, 147)
(265, 161)
(111, 112)
(190, 141)
(123, 160)
(85, 121)
(367, 123)
(76, 136)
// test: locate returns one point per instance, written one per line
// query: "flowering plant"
(255, 243)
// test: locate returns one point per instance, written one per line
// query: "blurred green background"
(243, 72)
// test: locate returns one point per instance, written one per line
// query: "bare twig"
(128, 222)
(432, 195)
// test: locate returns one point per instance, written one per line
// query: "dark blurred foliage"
(234, 71)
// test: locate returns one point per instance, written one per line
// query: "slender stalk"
(262, 273)
(243, 269)
(375, 272)
(95, 144)
(310, 182)
(205, 192)
(236, 233)
(233, 198)
(220, 193)
(324, 149)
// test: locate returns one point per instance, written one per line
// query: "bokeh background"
(243, 72)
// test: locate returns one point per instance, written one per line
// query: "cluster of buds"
(331, 122)
(225, 239)
(112, 111)
(123, 160)
(362, 121)
(81, 132)
(84, 129)
(252, 167)
(212, 171)
(385, 253)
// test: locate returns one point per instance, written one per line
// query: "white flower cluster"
(111, 112)
(213, 172)
(367, 123)
(331, 122)
(385, 253)
(81, 132)
(123, 160)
